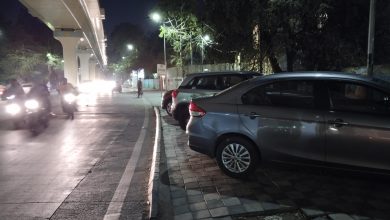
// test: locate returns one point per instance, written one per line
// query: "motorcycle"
(16, 110)
(36, 116)
(69, 104)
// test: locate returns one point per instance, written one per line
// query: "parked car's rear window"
(296, 94)
(215, 82)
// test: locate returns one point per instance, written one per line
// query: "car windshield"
(243, 83)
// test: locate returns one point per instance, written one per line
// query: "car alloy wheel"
(237, 157)
(168, 108)
(184, 117)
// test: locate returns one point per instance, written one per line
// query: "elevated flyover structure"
(78, 25)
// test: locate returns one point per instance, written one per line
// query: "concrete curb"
(155, 170)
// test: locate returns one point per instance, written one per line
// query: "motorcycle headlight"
(70, 98)
(31, 104)
(13, 109)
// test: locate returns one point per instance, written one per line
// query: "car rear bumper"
(163, 104)
(200, 138)
(201, 150)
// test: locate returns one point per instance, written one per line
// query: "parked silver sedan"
(324, 118)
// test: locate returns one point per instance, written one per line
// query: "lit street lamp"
(205, 40)
(130, 47)
(371, 33)
(157, 18)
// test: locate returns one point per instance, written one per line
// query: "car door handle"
(252, 115)
(338, 122)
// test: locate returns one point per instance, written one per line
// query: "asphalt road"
(76, 169)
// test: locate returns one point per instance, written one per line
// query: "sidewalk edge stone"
(155, 171)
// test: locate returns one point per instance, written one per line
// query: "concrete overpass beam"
(69, 41)
(84, 56)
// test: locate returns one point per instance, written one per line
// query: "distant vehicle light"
(99, 86)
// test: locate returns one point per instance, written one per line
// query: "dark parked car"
(201, 85)
(335, 119)
(166, 102)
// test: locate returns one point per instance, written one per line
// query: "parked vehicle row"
(318, 118)
(201, 85)
(332, 119)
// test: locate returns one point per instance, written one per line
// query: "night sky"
(117, 11)
(132, 11)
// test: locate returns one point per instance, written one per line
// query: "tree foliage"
(20, 63)
(290, 34)
(183, 32)
(24, 45)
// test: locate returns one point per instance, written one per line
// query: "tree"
(55, 61)
(298, 34)
(20, 63)
(183, 32)
(24, 45)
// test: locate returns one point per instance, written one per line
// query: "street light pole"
(204, 39)
(157, 18)
(202, 53)
(165, 51)
(371, 32)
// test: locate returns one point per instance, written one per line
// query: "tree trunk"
(290, 56)
(274, 62)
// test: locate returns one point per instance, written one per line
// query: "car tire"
(184, 117)
(168, 108)
(233, 151)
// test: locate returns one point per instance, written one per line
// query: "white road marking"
(115, 207)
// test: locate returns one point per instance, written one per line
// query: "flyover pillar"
(84, 56)
(69, 41)
(92, 69)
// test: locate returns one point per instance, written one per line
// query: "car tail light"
(195, 110)
(175, 93)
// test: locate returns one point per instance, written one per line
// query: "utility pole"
(371, 37)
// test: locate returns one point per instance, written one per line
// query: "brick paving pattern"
(199, 190)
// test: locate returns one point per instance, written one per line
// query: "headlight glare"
(13, 109)
(31, 104)
(69, 97)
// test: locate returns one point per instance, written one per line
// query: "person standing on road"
(139, 88)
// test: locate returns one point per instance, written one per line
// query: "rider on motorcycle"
(65, 88)
(14, 89)
(40, 92)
